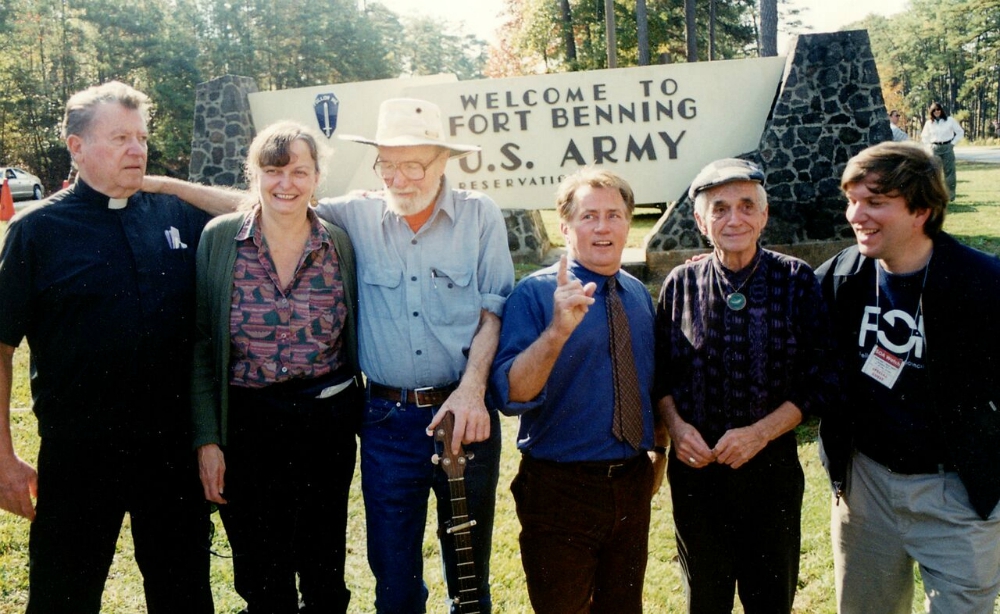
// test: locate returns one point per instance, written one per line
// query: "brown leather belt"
(421, 397)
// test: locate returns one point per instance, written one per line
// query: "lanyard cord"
(920, 306)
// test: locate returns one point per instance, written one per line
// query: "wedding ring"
(691, 460)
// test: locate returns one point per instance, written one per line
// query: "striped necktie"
(627, 425)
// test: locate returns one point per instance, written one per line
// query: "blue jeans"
(396, 477)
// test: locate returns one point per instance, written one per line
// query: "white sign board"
(350, 166)
(655, 125)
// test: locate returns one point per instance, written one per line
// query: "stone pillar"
(223, 130)
(526, 235)
(828, 107)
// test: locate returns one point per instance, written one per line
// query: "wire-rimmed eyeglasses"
(411, 169)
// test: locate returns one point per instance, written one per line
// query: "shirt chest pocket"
(453, 297)
(381, 295)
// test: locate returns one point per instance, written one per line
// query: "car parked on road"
(23, 185)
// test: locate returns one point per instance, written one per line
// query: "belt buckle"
(613, 468)
(416, 396)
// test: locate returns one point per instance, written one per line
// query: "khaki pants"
(889, 520)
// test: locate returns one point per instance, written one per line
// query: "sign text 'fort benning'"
(654, 125)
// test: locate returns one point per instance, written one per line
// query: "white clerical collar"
(117, 203)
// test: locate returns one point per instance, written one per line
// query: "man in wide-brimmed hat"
(434, 273)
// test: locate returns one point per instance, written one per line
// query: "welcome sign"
(655, 125)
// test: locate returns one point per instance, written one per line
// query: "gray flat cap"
(725, 171)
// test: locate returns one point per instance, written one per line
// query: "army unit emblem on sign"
(326, 106)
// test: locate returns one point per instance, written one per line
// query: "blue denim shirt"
(570, 419)
(420, 294)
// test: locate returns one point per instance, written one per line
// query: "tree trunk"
(642, 31)
(996, 129)
(711, 30)
(568, 38)
(689, 30)
(768, 28)
(609, 33)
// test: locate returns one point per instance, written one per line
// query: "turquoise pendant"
(736, 301)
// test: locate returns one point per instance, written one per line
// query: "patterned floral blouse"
(278, 333)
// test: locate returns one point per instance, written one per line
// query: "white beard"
(409, 205)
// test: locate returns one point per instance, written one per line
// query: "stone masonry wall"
(223, 130)
(526, 235)
(828, 107)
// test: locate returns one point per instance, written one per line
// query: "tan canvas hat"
(404, 122)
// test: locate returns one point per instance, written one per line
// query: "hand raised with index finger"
(571, 301)
(562, 275)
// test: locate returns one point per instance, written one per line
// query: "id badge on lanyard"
(883, 366)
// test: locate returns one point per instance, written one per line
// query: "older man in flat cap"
(741, 338)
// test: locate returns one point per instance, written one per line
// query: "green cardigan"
(210, 371)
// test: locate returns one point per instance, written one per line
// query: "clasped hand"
(735, 448)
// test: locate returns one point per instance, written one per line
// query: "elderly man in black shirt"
(100, 280)
(741, 338)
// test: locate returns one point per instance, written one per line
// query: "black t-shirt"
(105, 298)
(898, 428)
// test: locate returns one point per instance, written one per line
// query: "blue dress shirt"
(570, 419)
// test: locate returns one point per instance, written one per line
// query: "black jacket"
(961, 307)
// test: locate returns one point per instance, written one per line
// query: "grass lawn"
(975, 219)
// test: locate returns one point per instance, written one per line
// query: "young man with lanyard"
(914, 458)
